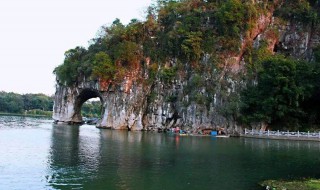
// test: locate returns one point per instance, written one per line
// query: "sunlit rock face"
(139, 103)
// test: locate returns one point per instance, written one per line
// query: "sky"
(34, 34)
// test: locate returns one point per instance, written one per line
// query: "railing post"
(288, 133)
(245, 131)
(298, 134)
(269, 133)
(252, 131)
(308, 134)
(278, 133)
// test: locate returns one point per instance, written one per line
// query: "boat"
(223, 136)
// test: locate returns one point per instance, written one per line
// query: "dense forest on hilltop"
(197, 37)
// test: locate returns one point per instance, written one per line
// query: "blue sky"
(34, 34)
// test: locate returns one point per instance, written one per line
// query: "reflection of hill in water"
(89, 158)
(280, 145)
(50, 156)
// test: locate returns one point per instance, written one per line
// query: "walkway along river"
(282, 135)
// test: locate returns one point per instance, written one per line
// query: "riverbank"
(281, 138)
(24, 115)
(310, 184)
(282, 135)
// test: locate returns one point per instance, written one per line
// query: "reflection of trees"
(73, 157)
(120, 159)
(89, 158)
(282, 158)
(63, 156)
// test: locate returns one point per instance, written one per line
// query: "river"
(37, 154)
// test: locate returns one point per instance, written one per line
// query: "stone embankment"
(282, 135)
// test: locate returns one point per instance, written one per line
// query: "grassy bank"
(308, 184)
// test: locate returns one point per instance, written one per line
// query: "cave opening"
(89, 106)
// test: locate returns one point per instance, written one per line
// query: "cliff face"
(190, 99)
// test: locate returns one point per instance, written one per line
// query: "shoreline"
(314, 139)
(22, 115)
(299, 184)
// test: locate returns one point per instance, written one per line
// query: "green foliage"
(68, 72)
(128, 53)
(200, 99)
(195, 83)
(234, 18)
(37, 112)
(16, 103)
(298, 10)
(153, 69)
(282, 86)
(152, 97)
(183, 30)
(168, 74)
(317, 53)
(91, 109)
(191, 46)
(171, 98)
(37, 102)
(231, 109)
(230, 17)
(103, 67)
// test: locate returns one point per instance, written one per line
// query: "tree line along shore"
(38, 105)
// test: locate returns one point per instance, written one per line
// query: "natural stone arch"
(123, 104)
(83, 96)
(69, 100)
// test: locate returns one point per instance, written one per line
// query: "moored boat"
(223, 136)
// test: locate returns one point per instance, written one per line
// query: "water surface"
(36, 154)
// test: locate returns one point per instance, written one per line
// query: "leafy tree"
(16, 103)
(68, 72)
(103, 67)
(298, 10)
(282, 86)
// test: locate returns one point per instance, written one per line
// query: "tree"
(282, 85)
(103, 67)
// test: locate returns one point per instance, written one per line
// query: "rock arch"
(69, 100)
(83, 96)
(121, 108)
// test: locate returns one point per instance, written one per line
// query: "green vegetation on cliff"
(282, 92)
(183, 30)
(195, 39)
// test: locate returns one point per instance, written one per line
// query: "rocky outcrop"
(189, 100)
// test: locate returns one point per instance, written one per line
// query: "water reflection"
(83, 157)
(284, 159)
(280, 144)
(16, 122)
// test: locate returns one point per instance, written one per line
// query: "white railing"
(278, 133)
